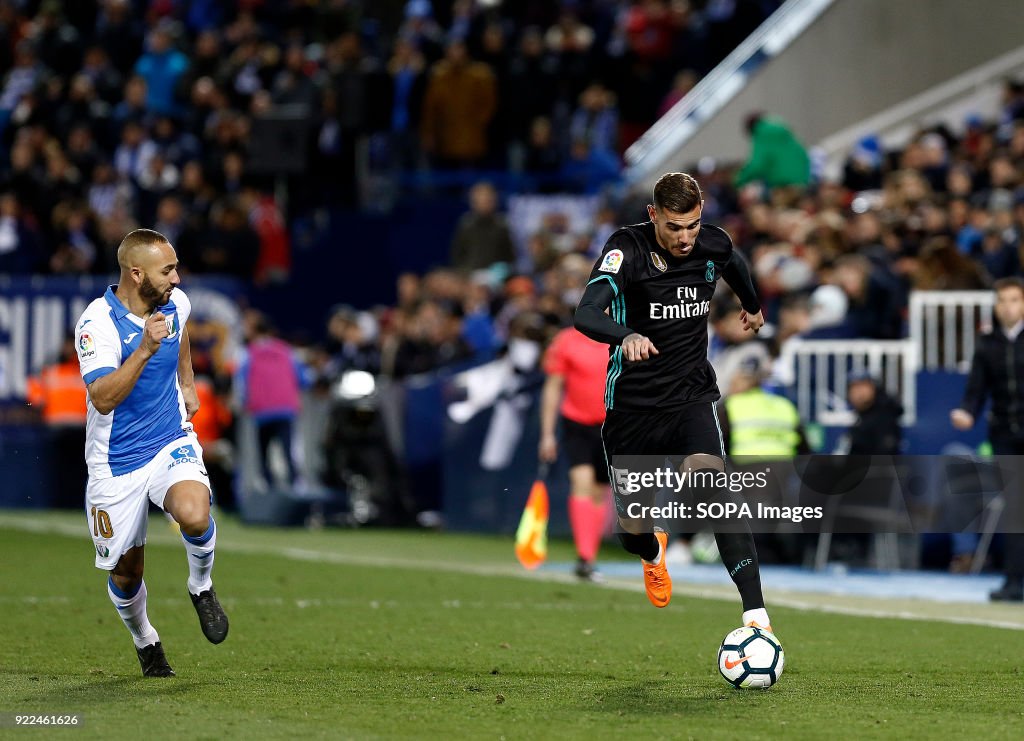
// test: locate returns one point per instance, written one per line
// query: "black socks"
(644, 545)
(740, 558)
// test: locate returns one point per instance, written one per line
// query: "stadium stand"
(284, 143)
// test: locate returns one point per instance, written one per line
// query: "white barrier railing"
(822, 369)
(943, 331)
(945, 324)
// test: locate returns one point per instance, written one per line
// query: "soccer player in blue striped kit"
(134, 355)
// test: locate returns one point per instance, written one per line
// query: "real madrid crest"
(659, 262)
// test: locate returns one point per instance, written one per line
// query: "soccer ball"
(751, 657)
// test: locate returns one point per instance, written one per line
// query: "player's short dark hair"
(142, 237)
(677, 192)
(135, 239)
(1011, 282)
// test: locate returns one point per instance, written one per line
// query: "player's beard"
(149, 293)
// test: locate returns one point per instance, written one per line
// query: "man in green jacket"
(777, 158)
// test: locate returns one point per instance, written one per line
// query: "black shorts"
(582, 445)
(675, 433)
(684, 431)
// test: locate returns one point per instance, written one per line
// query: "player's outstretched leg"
(212, 619)
(739, 555)
(127, 590)
(188, 502)
(735, 545)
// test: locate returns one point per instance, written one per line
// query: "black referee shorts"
(582, 445)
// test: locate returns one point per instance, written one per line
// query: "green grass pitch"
(359, 634)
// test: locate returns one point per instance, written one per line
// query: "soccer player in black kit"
(655, 281)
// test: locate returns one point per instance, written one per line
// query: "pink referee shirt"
(583, 364)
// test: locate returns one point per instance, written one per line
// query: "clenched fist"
(154, 331)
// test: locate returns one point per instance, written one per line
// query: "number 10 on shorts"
(101, 526)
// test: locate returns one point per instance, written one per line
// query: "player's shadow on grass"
(670, 696)
(92, 691)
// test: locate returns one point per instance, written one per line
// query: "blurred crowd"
(832, 259)
(173, 114)
(170, 113)
(117, 113)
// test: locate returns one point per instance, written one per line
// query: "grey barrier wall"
(859, 58)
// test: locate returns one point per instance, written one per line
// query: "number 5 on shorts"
(620, 476)
(101, 524)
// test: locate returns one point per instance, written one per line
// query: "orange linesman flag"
(532, 534)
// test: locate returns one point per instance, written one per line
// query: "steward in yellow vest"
(760, 425)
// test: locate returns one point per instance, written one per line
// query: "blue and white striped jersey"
(153, 414)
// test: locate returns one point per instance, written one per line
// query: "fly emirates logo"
(689, 306)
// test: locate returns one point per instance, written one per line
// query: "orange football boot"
(656, 578)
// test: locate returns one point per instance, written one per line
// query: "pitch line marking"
(513, 571)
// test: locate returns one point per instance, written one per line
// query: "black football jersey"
(668, 300)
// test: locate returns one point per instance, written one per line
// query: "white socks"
(759, 616)
(199, 550)
(132, 609)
